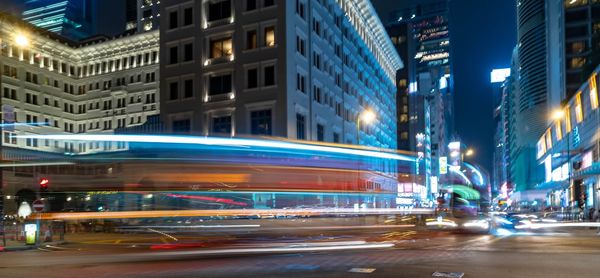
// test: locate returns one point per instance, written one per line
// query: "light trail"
(248, 251)
(216, 141)
(529, 225)
(219, 212)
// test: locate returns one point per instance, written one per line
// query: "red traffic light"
(44, 182)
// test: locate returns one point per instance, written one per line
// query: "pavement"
(375, 253)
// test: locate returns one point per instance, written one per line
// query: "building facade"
(70, 18)
(51, 85)
(421, 35)
(295, 69)
(568, 151)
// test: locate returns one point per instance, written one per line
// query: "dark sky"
(482, 34)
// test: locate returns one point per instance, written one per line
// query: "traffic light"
(44, 183)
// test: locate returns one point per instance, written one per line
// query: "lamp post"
(367, 117)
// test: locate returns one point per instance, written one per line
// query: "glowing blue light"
(216, 141)
(443, 83)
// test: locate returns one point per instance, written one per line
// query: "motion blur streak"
(529, 225)
(11, 165)
(217, 212)
(212, 199)
(270, 250)
(194, 227)
(216, 141)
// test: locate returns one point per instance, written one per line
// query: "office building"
(142, 15)
(581, 41)
(295, 69)
(69, 18)
(421, 35)
(567, 151)
(51, 85)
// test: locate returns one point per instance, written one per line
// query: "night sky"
(483, 35)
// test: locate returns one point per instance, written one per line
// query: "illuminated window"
(577, 62)
(575, 3)
(578, 47)
(549, 139)
(578, 108)
(558, 130)
(593, 92)
(541, 147)
(568, 119)
(270, 36)
(220, 47)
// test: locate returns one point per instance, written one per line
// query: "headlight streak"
(216, 141)
(529, 225)
(481, 224)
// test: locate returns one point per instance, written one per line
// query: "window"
(252, 78)
(173, 59)
(188, 88)
(300, 83)
(404, 135)
(336, 137)
(173, 93)
(219, 10)
(250, 5)
(260, 122)
(577, 62)
(188, 52)
(269, 75)
(251, 39)
(317, 94)
(220, 47)
(301, 45)
(269, 3)
(300, 8)
(187, 16)
(182, 126)
(222, 125)
(578, 108)
(219, 84)
(300, 127)
(173, 20)
(270, 36)
(320, 132)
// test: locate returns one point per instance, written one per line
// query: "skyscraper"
(425, 88)
(70, 18)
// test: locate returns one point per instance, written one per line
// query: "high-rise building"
(581, 42)
(52, 85)
(69, 18)
(142, 15)
(425, 88)
(501, 105)
(301, 69)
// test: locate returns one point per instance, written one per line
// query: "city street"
(557, 254)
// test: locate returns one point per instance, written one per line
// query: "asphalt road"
(403, 253)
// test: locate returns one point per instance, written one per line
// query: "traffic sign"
(38, 205)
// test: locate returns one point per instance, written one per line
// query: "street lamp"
(469, 152)
(367, 117)
(21, 40)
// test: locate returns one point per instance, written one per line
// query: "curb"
(29, 247)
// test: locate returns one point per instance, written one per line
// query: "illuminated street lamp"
(21, 40)
(366, 117)
(469, 152)
(558, 114)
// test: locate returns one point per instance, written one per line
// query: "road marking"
(361, 270)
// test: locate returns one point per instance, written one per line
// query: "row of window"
(133, 61)
(221, 47)
(10, 138)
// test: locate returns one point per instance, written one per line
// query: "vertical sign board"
(30, 232)
(443, 165)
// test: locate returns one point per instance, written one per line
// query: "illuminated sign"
(30, 233)
(586, 160)
(434, 184)
(499, 75)
(443, 165)
(548, 167)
